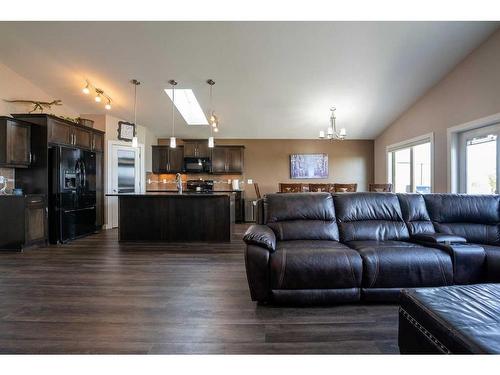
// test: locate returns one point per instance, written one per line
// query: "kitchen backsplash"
(167, 181)
(8, 174)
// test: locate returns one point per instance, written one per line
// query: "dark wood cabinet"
(24, 222)
(168, 160)
(47, 131)
(176, 159)
(59, 132)
(190, 149)
(82, 138)
(227, 159)
(66, 133)
(196, 149)
(219, 160)
(97, 141)
(36, 220)
(15, 143)
(239, 206)
(235, 159)
(160, 159)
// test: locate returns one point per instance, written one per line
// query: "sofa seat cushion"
(314, 264)
(400, 264)
(492, 262)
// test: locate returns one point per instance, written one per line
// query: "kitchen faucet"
(178, 182)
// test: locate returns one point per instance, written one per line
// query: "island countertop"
(174, 217)
(185, 194)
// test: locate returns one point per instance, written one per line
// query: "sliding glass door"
(479, 160)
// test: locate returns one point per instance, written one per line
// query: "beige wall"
(470, 91)
(13, 87)
(267, 161)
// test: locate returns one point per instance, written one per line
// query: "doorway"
(125, 175)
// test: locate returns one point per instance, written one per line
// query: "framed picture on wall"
(126, 131)
(308, 166)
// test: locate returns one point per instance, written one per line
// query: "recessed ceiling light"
(188, 106)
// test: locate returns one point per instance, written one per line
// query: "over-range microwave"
(197, 165)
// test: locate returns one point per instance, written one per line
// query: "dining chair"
(345, 188)
(320, 187)
(257, 190)
(290, 188)
(386, 188)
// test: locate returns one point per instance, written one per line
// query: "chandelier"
(332, 132)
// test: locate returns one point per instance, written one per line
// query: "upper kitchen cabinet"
(97, 141)
(168, 160)
(235, 156)
(159, 159)
(15, 143)
(196, 149)
(219, 160)
(67, 133)
(228, 159)
(82, 137)
(59, 132)
(176, 159)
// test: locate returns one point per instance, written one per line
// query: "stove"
(200, 186)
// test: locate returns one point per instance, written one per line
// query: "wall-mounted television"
(308, 166)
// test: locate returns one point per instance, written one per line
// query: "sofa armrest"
(260, 235)
(441, 238)
(468, 261)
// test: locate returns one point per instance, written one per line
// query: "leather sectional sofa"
(322, 248)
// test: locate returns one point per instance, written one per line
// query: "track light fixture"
(98, 98)
(99, 94)
(86, 89)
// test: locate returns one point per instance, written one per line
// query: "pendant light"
(173, 142)
(135, 142)
(213, 120)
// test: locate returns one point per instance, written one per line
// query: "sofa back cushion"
(369, 216)
(415, 214)
(301, 216)
(475, 217)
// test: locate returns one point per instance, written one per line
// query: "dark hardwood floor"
(95, 295)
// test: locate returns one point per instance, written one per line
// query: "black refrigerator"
(72, 193)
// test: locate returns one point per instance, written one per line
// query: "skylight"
(188, 106)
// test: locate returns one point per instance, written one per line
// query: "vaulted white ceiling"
(273, 79)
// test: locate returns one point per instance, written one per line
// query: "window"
(478, 160)
(410, 165)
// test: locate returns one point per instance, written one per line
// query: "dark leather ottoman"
(452, 319)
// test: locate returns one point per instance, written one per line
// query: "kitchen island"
(174, 217)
